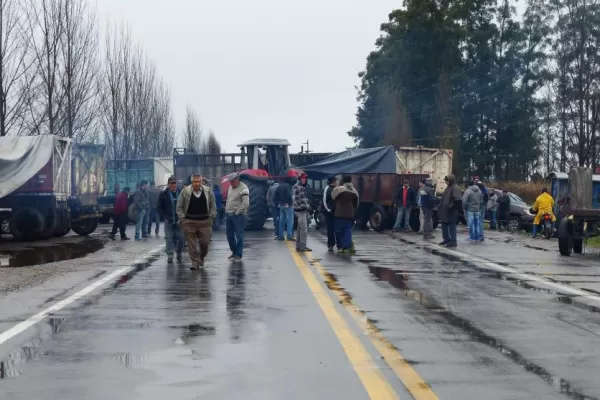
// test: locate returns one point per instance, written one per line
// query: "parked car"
(519, 217)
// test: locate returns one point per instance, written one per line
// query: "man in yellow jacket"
(544, 204)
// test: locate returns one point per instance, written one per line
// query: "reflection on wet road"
(316, 326)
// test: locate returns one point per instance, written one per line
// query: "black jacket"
(504, 205)
(166, 207)
(411, 197)
(283, 195)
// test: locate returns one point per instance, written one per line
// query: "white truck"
(437, 163)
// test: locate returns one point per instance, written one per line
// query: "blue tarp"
(376, 160)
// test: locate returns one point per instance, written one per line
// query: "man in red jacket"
(120, 216)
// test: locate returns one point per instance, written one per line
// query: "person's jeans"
(173, 238)
(449, 232)
(275, 213)
(474, 225)
(402, 218)
(343, 233)
(421, 220)
(331, 237)
(493, 222)
(302, 234)
(153, 217)
(141, 224)
(481, 221)
(120, 224)
(286, 219)
(234, 226)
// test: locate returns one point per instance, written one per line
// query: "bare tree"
(45, 99)
(211, 144)
(79, 48)
(192, 134)
(14, 64)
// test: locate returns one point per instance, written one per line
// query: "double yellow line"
(374, 382)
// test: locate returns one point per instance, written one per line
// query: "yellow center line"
(369, 374)
(417, 387)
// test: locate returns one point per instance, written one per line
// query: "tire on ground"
(27, 224)
(414, 222)
(85, 227)
(63, 225)
(435, 220)
(257, 212)
(565, 237)
(378, 218)
(513, 224)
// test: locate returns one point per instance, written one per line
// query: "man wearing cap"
(301, 208)
(329, 206)
(236, 208)
(427, 201)
(196, 210)
(450, 204)
(166, 208)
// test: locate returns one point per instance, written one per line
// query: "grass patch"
(593, 242)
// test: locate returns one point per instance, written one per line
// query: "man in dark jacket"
(427, 200)
(166, 208)
(142, 205)
(283, 198)
(120, 216)
(329, 206)
(346, 204)
(406, 199)
(153, 193)
(448, 211)
(273, 208)
(503, 210)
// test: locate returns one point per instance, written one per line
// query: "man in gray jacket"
(236, 208)
(142, 205)
(153, 217)
(472, 204)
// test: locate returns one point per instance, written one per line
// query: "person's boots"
(534, 231)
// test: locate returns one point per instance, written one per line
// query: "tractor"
(268, 160)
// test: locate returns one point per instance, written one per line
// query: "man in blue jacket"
(428, 200)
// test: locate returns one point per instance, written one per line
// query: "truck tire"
(85, 226)
(27, 224)
(378, 218)
(63, 226)
(565, 237)
(435, 220)
(257, 212)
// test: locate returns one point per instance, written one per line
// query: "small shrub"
(528, 191)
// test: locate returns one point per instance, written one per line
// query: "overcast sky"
(260, 68)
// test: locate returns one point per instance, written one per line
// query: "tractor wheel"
(85, 226)
(378, 218)
(63, 225)
(257, 213)
(565, 237)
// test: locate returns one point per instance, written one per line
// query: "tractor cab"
(268, 158)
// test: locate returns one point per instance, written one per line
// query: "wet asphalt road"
(257, 330)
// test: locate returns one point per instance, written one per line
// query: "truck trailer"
(49, 185)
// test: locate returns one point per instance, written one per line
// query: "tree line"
(58, 77)
(512, 95)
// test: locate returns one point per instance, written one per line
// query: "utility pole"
(302, 147)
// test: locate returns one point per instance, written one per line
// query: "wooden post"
(580, 182)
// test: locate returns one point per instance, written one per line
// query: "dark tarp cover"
(376, 160)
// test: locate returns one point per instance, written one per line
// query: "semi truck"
(49, 185)
(128, 173)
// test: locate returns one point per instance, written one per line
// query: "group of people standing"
(407, 199)
(190, 213)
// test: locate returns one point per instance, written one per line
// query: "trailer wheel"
(435, 220)
(565, 237)
(27, 224)
(85, 226)
(414, 222)
(64, 226)
(577, 246)
(378, 218)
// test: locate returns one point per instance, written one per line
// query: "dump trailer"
(129, 173)
(40, 194)
(436, 163)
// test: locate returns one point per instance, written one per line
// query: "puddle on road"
(36, 255)
(395, 278)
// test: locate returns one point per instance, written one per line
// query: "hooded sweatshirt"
(346, 201)
(473, 199)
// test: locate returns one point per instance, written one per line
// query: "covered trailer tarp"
(376, 160)
(21, 157)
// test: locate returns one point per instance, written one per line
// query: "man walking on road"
(427, 196)
(166, 208)
(301, 208)
(329, 206)
(273, 208)
(196, 210)
(142, 204)
(120, 216)
(405, 200)
(472, 204)
(236, 208)
(448, 211)
(153, 193)
(346, 205)
(283, 198)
